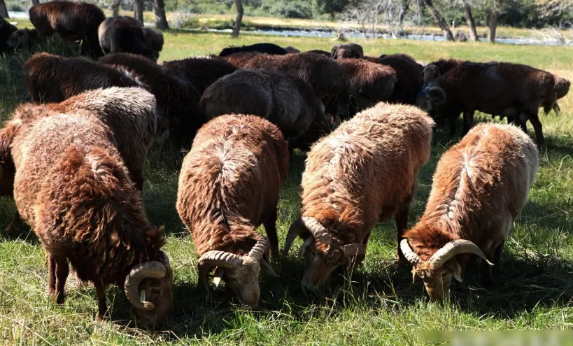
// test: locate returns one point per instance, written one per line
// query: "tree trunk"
(470, 21)
(439, 20)
(3, 9)
(138, 10)
(160, 18)
(405, 6)
(239, 19)
(115, 7)
(493, 17)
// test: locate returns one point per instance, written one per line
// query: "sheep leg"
(271, 229)
(62, 271)
(52, 276)
(402, 222)
(468, 121)
(538, 128)
(453, 125)
(497, 257)
(101, 304)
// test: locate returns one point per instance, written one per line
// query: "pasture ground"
(380, 306)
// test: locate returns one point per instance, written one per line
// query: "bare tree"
(470, 21)
(138, 10)
(553, 8)
(3, 9)
(160, 18)
(492, 24)
(115, 5)
(238, 19)
(440, 21)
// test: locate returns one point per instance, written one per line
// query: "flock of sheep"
(73, 159)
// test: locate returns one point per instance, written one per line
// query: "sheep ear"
(219, 272)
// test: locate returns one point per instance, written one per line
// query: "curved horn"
(453, 248)
(294, 231)
(354, 249)
(268, 269)
(308, 242)
(410, 255)
(212, 259)
(165, 259)
(151, 269)
(317, 230)
(259, 249)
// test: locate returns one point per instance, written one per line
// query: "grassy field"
(380, 306)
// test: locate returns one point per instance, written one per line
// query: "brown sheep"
(409, 74)
(497, 88)
(325, 75)
(480, 186)
(291, 49)
(347, 51)
(124, 35)
(73, 189)
(23, 38)
(200, 72)
(154, 39)
(319, 52)
(6, 31)
(434, 70)
(177, 101)
(70, 21)
(361, 174)
(561, 89)
(229, 185)
(266, 48)
(285, 100)
(367, 84)
(52, 78)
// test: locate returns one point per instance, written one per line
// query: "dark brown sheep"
(228, 186)
(52, 78)
(70, 21)
(409, 74)
(285, 100)
(434, 70)
(73, 189)
(154, 39)
(267, 48)
(347, 51)
(497, 88)
(319, 52)
(6, 31)
(23, 38)
(124, 35)
(480, 186)
(200, 72)
(363, 173)
(177, 100)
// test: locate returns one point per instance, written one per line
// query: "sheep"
(285, 100)
(319, 52)
(291, 49)
(229, 184)
(23, 37)
(561, 89)
(325, 75)
(6, 31)
(70, 21)
(362, 173)
(177, 100)
(73, 189)
(409, 74)
(367, 84)
(124, 35)
(480, 186)
(154, 39)
(267, 48)
(497, 88)
(347, 51)
(52, 78)
(434, 70)
(200, 72)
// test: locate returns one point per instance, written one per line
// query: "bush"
(288, 8)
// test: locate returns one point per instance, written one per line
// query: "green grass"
(380, 307)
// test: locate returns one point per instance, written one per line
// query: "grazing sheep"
(6, 31)
(497, 88)
(347, 51)
(177, 100)
(200, 72)
(267, 48)
(52, 78)
(409, 74)
(434, 70)
(69, 21)
(229, 185)
(285, 100)
(480, 186)
(23, 37)
(124, 35)
(154, 39)
(367, 84)
(561, 89)
(362, 173)
(325, 75)
(73, 189)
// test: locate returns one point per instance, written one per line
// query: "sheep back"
(200, 72)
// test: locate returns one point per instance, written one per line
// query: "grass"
(380, 307)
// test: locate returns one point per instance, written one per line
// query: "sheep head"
(240, 273)
(561, 87)
(437, 272)
(322, 253)
(431, 98)
(149, 288)
(430, 73)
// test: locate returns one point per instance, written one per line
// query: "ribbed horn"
(152, 270)
(294, 231)
(317, 230)
(410, 255)
(215, 258)
(454, 248)
(259, 249)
